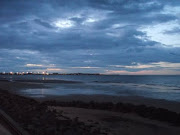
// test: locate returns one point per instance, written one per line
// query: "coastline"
(89, 114)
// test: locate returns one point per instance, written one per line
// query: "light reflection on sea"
(150, 91)
(158, 87)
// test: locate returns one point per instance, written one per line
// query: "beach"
(89, 67)
(99, 114)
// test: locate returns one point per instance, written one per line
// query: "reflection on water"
(116, 89)
(160, 87)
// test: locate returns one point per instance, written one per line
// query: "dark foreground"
(54, 117)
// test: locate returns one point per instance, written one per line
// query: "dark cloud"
(173, 31)
(43, 23)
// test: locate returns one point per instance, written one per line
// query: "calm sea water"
(158, 87)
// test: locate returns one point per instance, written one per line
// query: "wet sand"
(170, 105)
(16, 86)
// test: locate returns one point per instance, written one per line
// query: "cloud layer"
(90, 36)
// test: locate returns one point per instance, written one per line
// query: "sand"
(118, 123)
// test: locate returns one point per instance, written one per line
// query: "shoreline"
(15, 87)
(136, 100)
(88, 114)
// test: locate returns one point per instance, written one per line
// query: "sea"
(151, 86)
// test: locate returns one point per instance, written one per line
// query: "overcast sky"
(90, 36)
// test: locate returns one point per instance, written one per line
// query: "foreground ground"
(4, 131)
(115, 123)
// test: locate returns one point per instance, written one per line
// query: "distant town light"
(11, 73)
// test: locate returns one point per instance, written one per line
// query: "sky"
(133, 37)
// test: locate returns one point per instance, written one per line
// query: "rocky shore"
(37, 119)
(154, 113)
